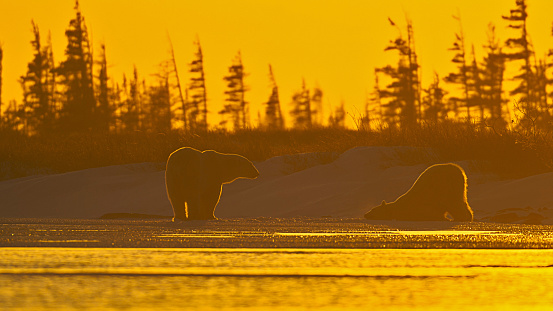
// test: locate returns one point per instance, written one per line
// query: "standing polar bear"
(440, 189)
(194, 180)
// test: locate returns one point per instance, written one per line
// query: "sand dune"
(347, 187)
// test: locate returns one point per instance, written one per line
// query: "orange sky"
(332, 44)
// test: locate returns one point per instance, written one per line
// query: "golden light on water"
(332, 44)
(271, 279)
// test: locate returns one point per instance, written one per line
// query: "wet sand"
(270, 233)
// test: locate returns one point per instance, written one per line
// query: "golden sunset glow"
(334, 45)
(276, 155)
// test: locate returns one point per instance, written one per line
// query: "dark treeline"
(478, 84)
(78, 95)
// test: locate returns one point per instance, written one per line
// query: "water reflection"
(273, 279)
(401, 232)
(234, 234)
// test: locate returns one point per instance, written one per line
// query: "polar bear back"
(439, 183)
(440, 189)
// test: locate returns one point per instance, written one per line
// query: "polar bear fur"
(194, 180)
(440, 189)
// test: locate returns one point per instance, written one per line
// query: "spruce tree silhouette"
(462, 76)
(105, 110)
(273, 111)
(493, 69)
(301, 108)
(182, 98)
(197, 109)
(400, 99)
(1, 58)
(236, 105)
(75, 73)
(37, 90)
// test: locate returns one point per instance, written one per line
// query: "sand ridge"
(288, 186)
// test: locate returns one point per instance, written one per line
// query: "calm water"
(274, 279)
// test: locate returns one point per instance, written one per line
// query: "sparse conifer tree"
(132, 105)
(51, 81)
(14, 115)
(532, 87)
(373, 106)
(549, 65)
(540, 88)
(119, 100)
(105, 110)
(159, 98)
(1, 58)
(435, 109)
(183, 100)
(364, 120)
(475, 84)
(301, 111)
(461, 77)
(338, 119)
(37, 100)
(75, 74)
(273, 112)
(401, 98)
(197, 109)
(519, 48)
(236, 106)
(122, 97)
(493, 68)
(317, 106)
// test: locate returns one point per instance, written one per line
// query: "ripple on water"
(274, 279)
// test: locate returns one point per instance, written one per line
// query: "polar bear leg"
(193, 207)
(461, 212)
(209, 201)
(179, 207)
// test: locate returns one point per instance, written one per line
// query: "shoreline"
(268, 232)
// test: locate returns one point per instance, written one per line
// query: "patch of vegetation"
(508, 153)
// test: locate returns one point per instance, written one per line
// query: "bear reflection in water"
(194, 180)
(440, 190)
